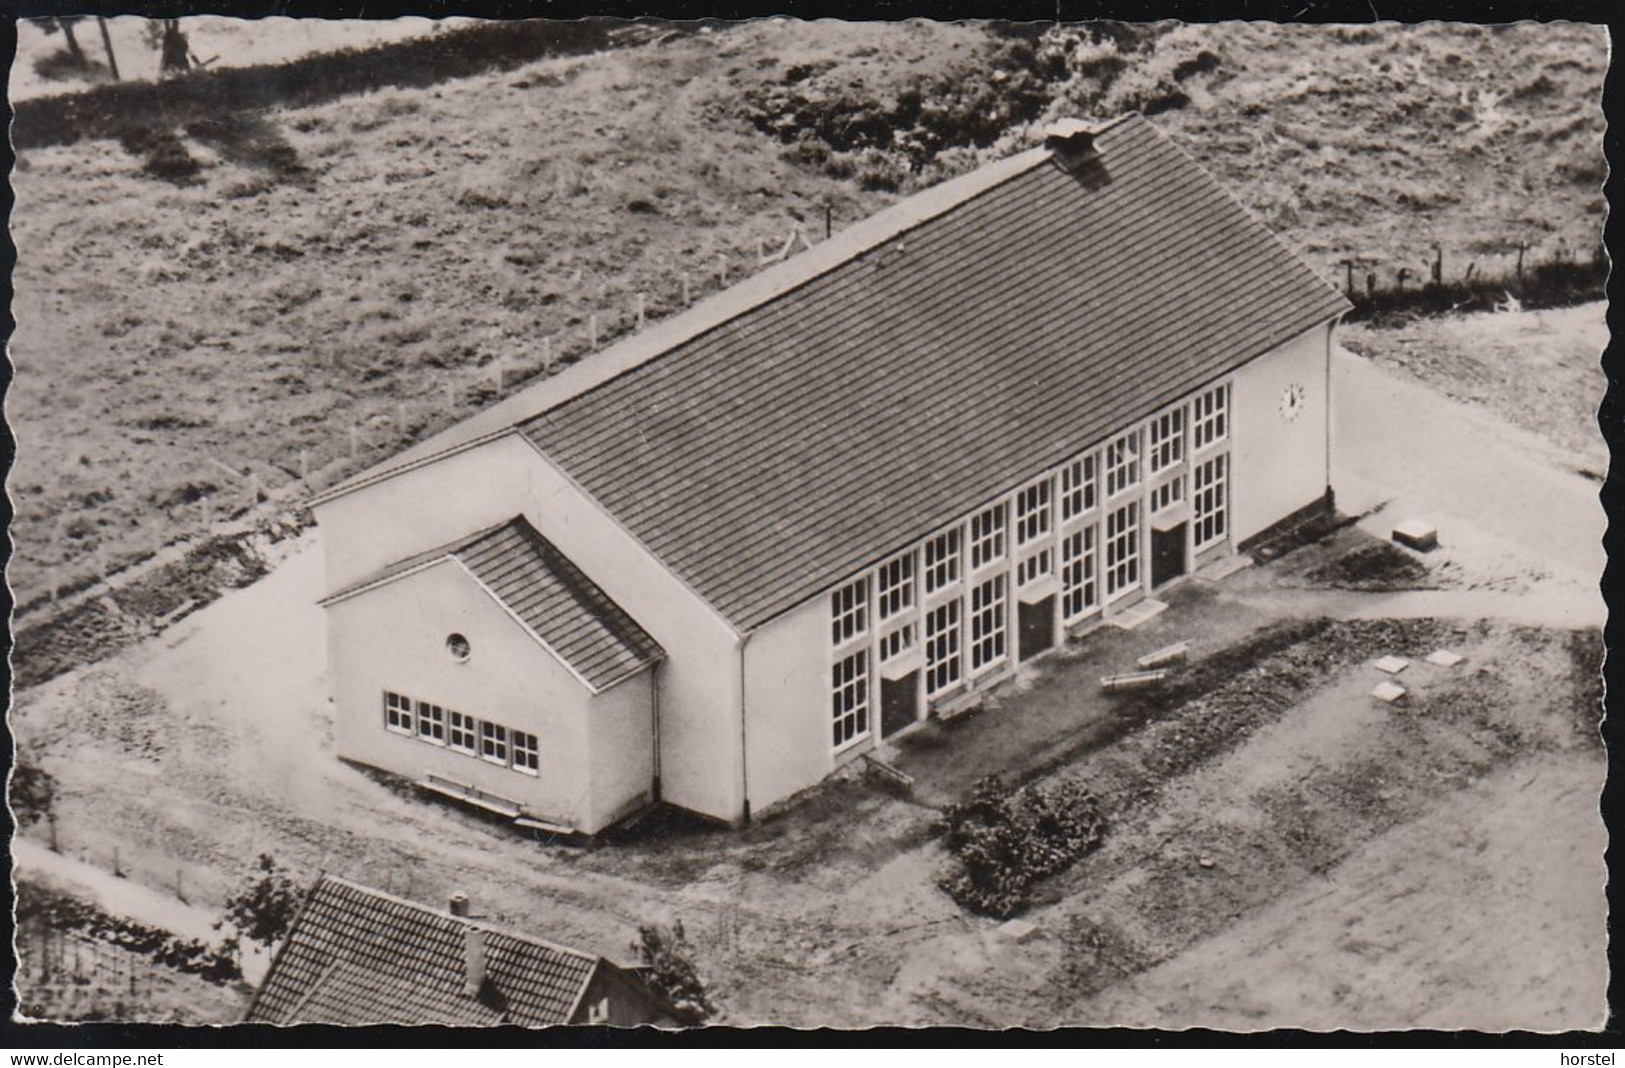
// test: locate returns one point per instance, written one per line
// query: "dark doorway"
(899, 703)
(1037, 628)
(1167, 554)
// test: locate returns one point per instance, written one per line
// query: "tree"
(263, 910)
(64, 24)
(668, 968)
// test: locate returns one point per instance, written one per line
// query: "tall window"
(850, 692)
(494, 743)
(431, 723)
(526, 753)
(398, 713)
(894, 586)
(1208, 412)
(941, 647)
(1168, 494)
(1167, 440)
(462, 732)
(1077, 487)
(987, 536)
(1122, 549)
(1032, 513)
(849, 609)
(1123, 463)
(987, 623)
(1078, 593)
(942, 561)
(1209, 511)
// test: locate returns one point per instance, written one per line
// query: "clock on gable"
(1293, 398)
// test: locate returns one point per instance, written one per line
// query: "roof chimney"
(459, 904)
(473, 961)
(1072, 142)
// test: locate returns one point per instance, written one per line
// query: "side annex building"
(716, 561)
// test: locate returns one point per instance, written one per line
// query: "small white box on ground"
(1445, 658)
(1392, 665)
(1388, 692)
(1415, 534)
(1017, 930)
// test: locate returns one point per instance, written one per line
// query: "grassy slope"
(243, 320)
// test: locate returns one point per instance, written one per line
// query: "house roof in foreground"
(360, 956)
(783, 435)
(544, 590)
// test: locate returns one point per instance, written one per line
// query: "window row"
(462, 733)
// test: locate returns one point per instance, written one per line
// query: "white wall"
(621, 751)
(1278, 466)
(393, 638)
(455, 496)
(787, 692)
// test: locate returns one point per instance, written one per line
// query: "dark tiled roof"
(782, 450)
(541, 586)
(357, 956)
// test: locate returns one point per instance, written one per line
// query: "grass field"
(302, 291)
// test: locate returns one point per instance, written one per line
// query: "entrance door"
(899, 703)
(1037, 631)
(1167, 554)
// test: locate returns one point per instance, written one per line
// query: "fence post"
(1370, 285)
(685, 289)
(547, 354)
(592, 330)
(642, 307)
(1438, 265)
(304, 465)
(829, 214)
(1348, 267)
(451, 395)
(722, 269)
(1521, 248)
(117, 874)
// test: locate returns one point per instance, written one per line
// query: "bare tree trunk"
(74, 50)
(107, 43)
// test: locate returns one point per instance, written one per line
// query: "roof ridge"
(470, 921)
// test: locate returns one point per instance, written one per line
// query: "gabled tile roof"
(358, 956)
(769, 458)
(548, 592)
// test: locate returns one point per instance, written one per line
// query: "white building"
(718, 560)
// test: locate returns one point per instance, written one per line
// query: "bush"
(668, 969)
(264, 909)
(1005, 840)
(33, 791)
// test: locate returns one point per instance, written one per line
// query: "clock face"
(1293, 398)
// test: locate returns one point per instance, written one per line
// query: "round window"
(458, 647)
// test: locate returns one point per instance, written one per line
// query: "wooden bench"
(473, 795)
(1132, 680)
(1166, 655)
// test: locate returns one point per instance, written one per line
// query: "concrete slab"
(1388, 692)
(1138, 615)
(1391, 665)
(1417, 534)
(1018, 931)
(1445, 658)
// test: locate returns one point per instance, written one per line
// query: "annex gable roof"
(359, 956)
(546, 592)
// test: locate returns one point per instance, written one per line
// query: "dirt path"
(1473, 916)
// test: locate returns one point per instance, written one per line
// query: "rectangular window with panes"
(431, 723)
(461, 734)
(1122, 549)
(987, 611)
(494, 743)
(941, 561)
(1167, 440)
(1123, 463)
(1208, 513)
(1078, 594)
(941, 647)
(850, 693)
(987, 537)
(1077, 488)
(849, 611)
(1208, 412)
(1039, 565)
(1168, 494)
(1032, 513)
(398, 713)
(526, 753)
(894, 586)
(894, 643)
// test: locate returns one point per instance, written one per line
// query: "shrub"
(263, 910)
(32, 792)
(668, 969)
(1004, 840)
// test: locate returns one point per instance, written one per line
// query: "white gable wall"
(457, 495)
(1277, 465)
(394, 638)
